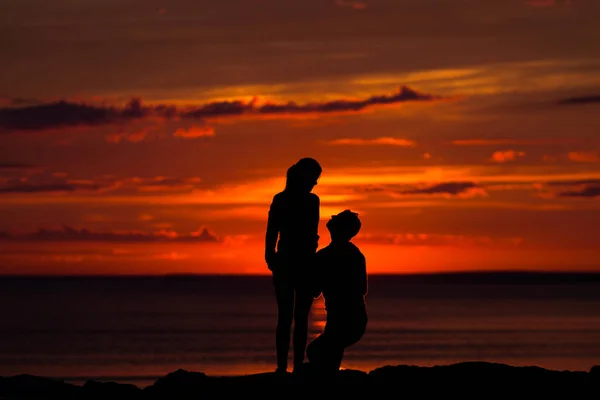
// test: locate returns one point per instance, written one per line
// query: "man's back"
(343, 276)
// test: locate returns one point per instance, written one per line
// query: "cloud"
(451, 240)
(11, 166)
(63, 114)
(57, 183)
(16, 101)
(133, 136)
(584, 156)
(24, 186)
(69, 234)
(505, 156)
(385, 141)
(511, 142)
(171, 256)
(465, 189)
(194, 132)
(590, 191)
(162, 184)
(404, 94)
(583, 188)
(580, 100)
(547, 3)
(574, 182)
(357, 5)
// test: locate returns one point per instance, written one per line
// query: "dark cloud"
(579, 100)
(451, 188)
(44, 183)
(238, 108)
(590, 191)
(574, 182)
(16, 166)
(65, 114)
(69, 234)
(403, 95)
(23, 186)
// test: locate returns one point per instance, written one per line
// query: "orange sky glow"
(151, 140)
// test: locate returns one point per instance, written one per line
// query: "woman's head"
(303, 175)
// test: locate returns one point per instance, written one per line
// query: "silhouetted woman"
(290, 246)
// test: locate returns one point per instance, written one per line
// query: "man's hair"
(346, 223)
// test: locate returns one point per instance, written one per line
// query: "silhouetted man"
(342, 279)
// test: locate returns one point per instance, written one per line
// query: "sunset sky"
(145, 136)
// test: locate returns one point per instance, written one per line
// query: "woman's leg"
(303, 303)
(284, 293)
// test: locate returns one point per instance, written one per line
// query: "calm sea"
(137, 329)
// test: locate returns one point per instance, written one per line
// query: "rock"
(108, 390)
(481, 378)
(35, 387)
(180, 384)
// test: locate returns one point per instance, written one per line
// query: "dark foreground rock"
(479, 378)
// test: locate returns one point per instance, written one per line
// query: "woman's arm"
(316, 216)
(272, 234)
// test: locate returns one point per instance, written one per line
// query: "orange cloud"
(69, 234)
(385, 141)
(505, 156)
(548, 3)
(172, 256)
(450, 240)
(357, 5)
(584, 156)
(510, 142)
(133, 137)
(446, 189)
(194, 132)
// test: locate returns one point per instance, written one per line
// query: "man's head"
(344, 226)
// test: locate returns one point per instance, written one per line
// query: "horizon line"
(215, 274)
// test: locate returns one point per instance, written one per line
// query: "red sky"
(150, 136)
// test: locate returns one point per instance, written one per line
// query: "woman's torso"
(298, 217)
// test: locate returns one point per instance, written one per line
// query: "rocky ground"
(485, 380)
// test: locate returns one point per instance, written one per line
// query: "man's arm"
(317, 275)
(272, 233)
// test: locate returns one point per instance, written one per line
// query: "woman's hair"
(303, 175)
(310, 168)
(291, 179)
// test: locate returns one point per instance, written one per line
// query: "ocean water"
(137, 329)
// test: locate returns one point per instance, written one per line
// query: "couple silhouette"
(302, 274)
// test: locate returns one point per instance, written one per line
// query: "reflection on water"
(317, 317)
